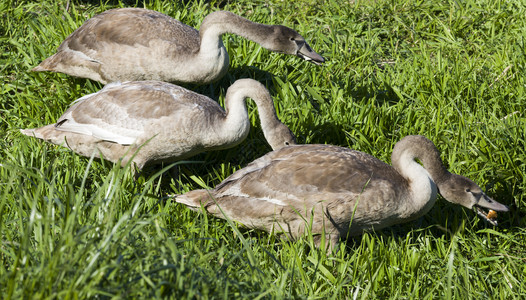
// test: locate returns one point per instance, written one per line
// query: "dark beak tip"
(318, 59)
(504, 208)
(318, 62)
(310, 55)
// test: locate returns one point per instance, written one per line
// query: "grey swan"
(162, 122)
(337, 191)
(131, 44)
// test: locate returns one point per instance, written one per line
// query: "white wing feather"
(123, 137)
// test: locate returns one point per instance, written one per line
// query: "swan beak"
(494, 206)
(306, 52)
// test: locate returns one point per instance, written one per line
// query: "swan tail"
(47, 132)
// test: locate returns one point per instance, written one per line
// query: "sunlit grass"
(71, 227)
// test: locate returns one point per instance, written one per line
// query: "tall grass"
(72, 227)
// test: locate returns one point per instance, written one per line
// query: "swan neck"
(235, 104)
(220, 22)
(236, 110)
(410, 149)
(422, 178)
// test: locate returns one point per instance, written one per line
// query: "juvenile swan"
(138, 44)
(341, 191)
(162, 121)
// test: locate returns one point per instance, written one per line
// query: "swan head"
(279, 136)
(287, 40)
(461, 190)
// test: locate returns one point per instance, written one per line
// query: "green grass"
(453, 71)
